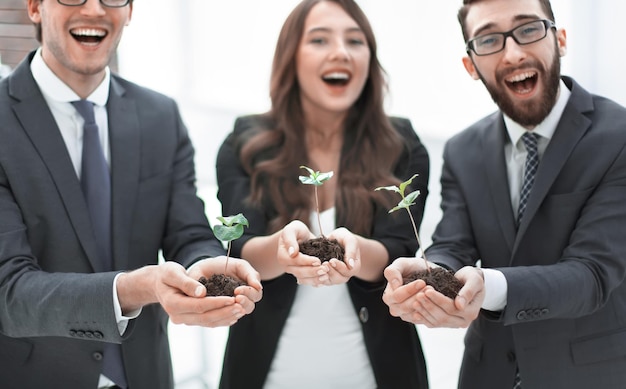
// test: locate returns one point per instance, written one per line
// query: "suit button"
(89, 334)
(72, 332)
(98, 335)
(97, 356)
(545, 311)
(364, 315)
(521, 315)
(80, 334)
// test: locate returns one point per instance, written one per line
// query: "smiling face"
(523, 80)
(78, 42)
(332, 60)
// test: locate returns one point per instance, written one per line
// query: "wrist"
(137, 288)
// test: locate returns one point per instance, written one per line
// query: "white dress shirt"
(59, 96)
(515, 155)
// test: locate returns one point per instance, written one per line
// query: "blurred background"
(214, 58)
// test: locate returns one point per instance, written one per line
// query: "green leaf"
(315, 177)
(231, 227)
(410, 198)
(406, 183)
(232, 220)
(407, 200)
(390, 188)
(228, 233)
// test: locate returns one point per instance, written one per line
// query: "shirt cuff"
(122, 321)
(495, 290)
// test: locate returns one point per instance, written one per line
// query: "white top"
(322, 344)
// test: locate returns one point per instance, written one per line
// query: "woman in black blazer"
(323, 324)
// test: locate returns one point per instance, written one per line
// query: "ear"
(470, 67)
(34, 12)
(561, 41)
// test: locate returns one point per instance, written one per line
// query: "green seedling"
(230, 229)
(405, 203)
(316, 179)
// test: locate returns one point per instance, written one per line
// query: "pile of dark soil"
(220, 285)
(323, 248)
(439, 278)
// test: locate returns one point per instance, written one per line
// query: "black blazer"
(393, 345)
(565, 320)
(53, 300)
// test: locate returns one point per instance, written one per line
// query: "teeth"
(89, 32)
(521, 77)
(336, 76)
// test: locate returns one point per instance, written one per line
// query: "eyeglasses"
(106, 3)
(524, 34)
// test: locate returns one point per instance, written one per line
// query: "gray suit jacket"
(565, 319)
(56, 306)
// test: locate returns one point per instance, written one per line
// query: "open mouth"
(522, 83)
(88, 35)
(336, 78)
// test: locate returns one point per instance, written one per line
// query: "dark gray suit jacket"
(565, 320)
(56, 308)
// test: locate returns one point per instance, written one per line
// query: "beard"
(528, 113)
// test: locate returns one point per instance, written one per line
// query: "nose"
(92, 7)
(513, 52)
(340, 51)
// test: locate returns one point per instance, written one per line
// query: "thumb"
(187, 283)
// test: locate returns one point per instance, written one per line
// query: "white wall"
(218, 54)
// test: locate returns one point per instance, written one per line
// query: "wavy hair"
(371, 146)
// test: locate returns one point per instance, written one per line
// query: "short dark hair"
(464, 10)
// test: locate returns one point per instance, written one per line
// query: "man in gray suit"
(535, 193)
(62, 309)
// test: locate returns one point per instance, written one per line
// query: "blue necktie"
(530, 169)
(95, 181)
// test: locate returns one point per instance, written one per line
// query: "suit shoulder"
(139, 92)
(476, 130)
(404, 127)
(252, 122)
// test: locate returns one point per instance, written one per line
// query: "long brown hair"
(371, 147)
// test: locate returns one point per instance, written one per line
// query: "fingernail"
(323, 278)
(321, 272)
(200, 290)
(351, 262)
(291, 250)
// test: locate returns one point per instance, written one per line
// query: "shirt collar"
(54, 88)
(547, 127)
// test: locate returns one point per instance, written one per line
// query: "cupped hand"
(184, 298)
(308, 270)
(421, 304)
(339, 272)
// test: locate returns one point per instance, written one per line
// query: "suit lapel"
(493, 143)
(125, 140)
(571, 128)
(44, 133)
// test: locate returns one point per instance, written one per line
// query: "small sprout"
(230, 229)
(405, 203)
(316, 179)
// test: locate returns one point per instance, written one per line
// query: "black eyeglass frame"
(101, 2)
(548, 24)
